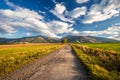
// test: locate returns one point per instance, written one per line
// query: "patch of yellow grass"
(13, 57)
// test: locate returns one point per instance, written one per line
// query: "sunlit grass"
(99, 63)
(13, 57)
(104, 46)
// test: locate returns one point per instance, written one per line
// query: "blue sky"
(59, 18)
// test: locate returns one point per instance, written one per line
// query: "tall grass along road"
(15, 56)
(99, 63)
(60, 65)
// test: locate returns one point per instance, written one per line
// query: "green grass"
(12, 57)
(99, 63)
(105, 46)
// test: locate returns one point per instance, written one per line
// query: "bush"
(64, 41)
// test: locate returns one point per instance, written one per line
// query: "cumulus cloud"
(60, 8)
(12, 20)
(28, 34)
(103, 11)
(112, 32)
(60, 27)
(59, 12)
(82, 1)
(68, 16)
(77, 12)
(33, 22)
(11, 4)
(6, 29)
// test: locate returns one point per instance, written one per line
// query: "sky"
(60, 18)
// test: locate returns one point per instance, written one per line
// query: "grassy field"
(115, 47)
(101, 61)
(14, 56)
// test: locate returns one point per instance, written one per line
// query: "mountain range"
(43, 39)
(33, 39)
(89, 39)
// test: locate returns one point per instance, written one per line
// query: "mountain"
(43, 39)
(90, 39)
(4, 40)
(33, 39)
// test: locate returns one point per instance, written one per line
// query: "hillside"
(33, 39)
(43, 39)
(90, 39)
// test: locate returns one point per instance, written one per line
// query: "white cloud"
(33, 22)
(59, 8)
(20, 13)
(42, 12)
(106, 9)
(54, 1)
(77, 12)
(112, 32)
(82, 1)
(102, 11)
(76, 33)
(59, 27)
(28, 34)
(12, 20)
(59, 12)
(11, 4)
(6, 29)
(68, 16)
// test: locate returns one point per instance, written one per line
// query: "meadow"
(115, 46)
(13, 56)
(100, 60)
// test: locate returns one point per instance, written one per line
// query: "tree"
(64, 41)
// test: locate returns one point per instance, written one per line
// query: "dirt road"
(60, 65)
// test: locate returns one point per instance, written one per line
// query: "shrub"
(64, 41)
